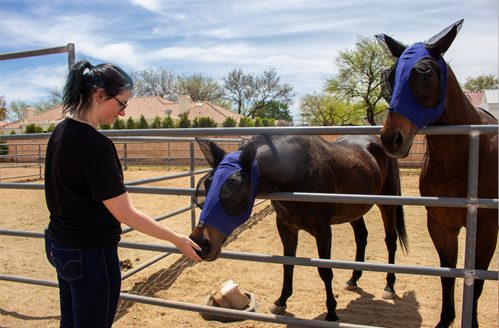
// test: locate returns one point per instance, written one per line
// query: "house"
(150, 107)
(486, 99)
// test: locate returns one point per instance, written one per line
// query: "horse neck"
(450, 150)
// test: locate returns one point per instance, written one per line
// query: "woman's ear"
(99, 95)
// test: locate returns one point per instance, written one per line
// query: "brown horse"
(444, 171)
(350, 165)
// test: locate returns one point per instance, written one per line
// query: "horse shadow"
(19, 316)
(163, 279)
(366, 310)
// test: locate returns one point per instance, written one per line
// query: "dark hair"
(84, 79)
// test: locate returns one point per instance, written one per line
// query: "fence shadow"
(165, 278)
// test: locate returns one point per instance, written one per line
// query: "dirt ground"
(175, 278)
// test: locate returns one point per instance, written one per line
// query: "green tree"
(51, 128)
(229, 122)
(324, 109)
(142, 124)
(359, 75)
(15, 111)
(246, 122)
(203, 122)
(276, 110)
(184, 122)
(130, 124)
(199, 87)
(54, 99)
(118, 124)
(12, 132)
(482, 82)
(258, 122)
(168, 122)
(156, 124)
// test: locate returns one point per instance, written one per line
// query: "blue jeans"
(89, 284)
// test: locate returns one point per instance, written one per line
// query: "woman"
(87, 198)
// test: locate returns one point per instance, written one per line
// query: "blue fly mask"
(402, 101)
(230, 194)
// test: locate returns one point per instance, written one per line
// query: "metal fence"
(472, 203)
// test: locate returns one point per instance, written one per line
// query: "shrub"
(3, 148)
(246, 122)
(142, 124)
(168, 122)
(118, 124)
(12, 132)
(105, 127)
(51, 128)
(156, 124)
(131, 124)
(204, 122)
(258, 122)
(229, 122)
(184, 122)
(32, 128)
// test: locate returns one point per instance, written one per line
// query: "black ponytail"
(84, 79)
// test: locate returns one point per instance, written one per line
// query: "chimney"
(29, 113)
(183, 104)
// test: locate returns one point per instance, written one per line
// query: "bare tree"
(268, 88)
(237, 87)
(199, 87)
(155, 82)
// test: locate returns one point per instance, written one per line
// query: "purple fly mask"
(231, 195)
(402, 100)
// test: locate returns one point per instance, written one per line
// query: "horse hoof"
(388, 295)
(349, 287)
(276, 309)
(332, 317)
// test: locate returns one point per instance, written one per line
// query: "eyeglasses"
(122, 104)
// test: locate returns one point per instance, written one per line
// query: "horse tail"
(400, 227)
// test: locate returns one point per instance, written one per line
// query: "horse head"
(230, 191)
(415, 87)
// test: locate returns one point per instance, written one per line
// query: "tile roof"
(475, 97)
(150, 107)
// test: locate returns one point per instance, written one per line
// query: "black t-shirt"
(82, 169)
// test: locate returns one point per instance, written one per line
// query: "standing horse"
(425, 91)
(267, 164)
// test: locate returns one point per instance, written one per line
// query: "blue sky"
(298, 38)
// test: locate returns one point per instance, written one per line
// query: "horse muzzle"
(397, 135)
(210, 241)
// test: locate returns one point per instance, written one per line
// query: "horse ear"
(248, 154)
(441, 42)
(213, 153)
(395, 47)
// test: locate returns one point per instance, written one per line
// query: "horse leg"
(486, 240)
(360, 232)
(388, 214)
(323, 239)
(289, 239)
(446, 242)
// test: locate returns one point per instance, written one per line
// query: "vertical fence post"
(40, 159)
(125, 155)
(16, 155)
(193, 210)
(169, 158)
(471, 221)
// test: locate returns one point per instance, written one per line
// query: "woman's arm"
(124, 211)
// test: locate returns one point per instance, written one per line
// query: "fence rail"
(472, 203)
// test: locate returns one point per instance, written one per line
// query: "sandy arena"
(175, 278)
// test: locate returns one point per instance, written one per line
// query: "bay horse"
(424, 91)
(267, 164)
